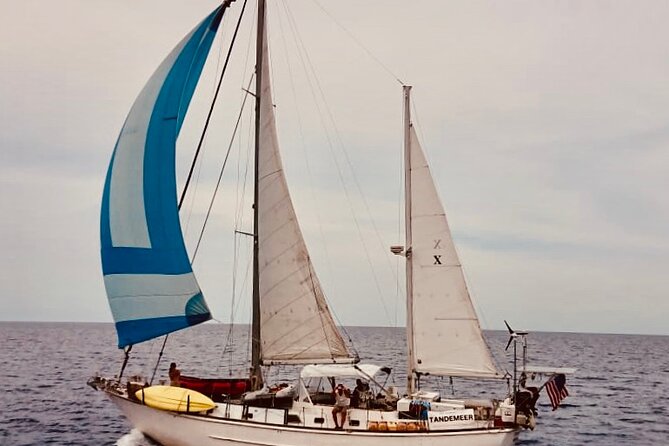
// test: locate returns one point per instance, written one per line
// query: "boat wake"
(134, 438)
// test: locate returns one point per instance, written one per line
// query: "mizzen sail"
(445, 337)
(148, 277)
(296, 325)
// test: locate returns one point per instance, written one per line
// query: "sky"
(546, 125)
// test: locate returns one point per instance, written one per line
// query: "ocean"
(619, 394)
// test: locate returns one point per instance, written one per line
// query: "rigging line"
(305, 151)
(220, 176)
(337, 134)
(239, 215)
(191, 205)
(219, 52)
(160, 355)
(236, 308)
(222, 39)
(238, 206)
(304, 56)
(238, 221)
(246, 174)
(234, 305)
(358, 186)
(268, 24)
(250, 41)
(211, 109)
(230, 341)
(238, 224)
(193, 200)
(359, 43)
(249, 332)
(239, 212)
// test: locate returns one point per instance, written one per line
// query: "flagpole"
(546, 383)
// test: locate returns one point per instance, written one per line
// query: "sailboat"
(152, 292)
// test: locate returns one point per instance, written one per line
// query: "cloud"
(545, 123)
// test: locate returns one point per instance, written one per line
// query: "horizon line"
(2, 321)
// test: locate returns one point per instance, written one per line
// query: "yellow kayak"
(176, 399)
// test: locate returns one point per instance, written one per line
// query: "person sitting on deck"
(360, 396)
(342, 402)
(175, 375)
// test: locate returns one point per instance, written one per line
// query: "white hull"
(172, 429)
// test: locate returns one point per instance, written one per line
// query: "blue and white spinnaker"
(148, 277)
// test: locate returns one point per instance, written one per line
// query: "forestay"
(447, 338)
(295, 323)
(149, 281)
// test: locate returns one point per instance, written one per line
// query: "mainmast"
(411, 376)
(256, 359)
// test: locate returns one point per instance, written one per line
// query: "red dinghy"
(218, 389)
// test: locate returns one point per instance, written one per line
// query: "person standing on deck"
(342, 402)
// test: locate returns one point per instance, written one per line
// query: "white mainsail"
(444, 336)
(295, 323)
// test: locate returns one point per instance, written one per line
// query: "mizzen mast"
(411, 376)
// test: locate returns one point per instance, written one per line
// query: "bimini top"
(364, 371)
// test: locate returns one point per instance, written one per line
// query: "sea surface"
(618, 396)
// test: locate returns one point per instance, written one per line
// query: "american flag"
(557, 390)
